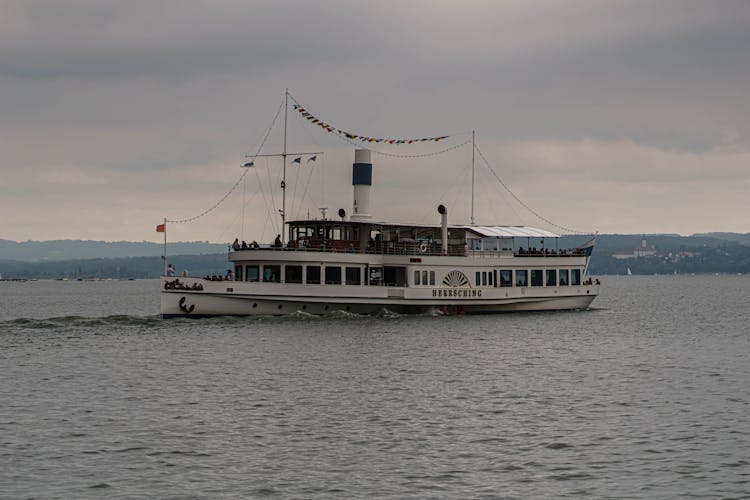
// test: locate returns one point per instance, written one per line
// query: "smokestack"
(361, 180)
(443, 227)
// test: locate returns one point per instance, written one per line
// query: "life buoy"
(423, 247)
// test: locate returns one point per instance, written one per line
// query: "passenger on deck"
(244, 245)
(277, 241)
(170, 270)
(254, 245)
(236, 244)
(230, 275)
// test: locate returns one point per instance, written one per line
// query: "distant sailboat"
(630, 273)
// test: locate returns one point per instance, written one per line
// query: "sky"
(609, 116)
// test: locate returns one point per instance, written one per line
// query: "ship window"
(238, 273)
(376, 276)
(353, 276)
(537, 277)
(313, 275)
(575, 276)
(522, 277)
(293, 274)
(506, 277)
(551, 277)
(394, 276)
(490, 282)
(424, 277)
(478, 279)
(432, 277)
(272, 274)
(484, 278)
(563, 277)
(416, 277)
(333, 275)
(251, 273)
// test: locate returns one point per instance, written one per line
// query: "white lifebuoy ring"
(423, 247)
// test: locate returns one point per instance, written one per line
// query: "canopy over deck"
(510, 232)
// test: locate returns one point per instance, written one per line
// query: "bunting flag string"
(356, 137)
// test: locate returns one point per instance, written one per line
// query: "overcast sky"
(627, 117)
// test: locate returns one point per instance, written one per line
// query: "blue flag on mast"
(588, 247)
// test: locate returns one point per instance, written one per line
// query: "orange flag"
(160, 228)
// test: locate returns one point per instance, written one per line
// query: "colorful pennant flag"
(160, 228)
(312, 158)
(354, 137)
(297, 160)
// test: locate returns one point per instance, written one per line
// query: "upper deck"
(332, 236)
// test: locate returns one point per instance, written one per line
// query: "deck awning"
(510, 232)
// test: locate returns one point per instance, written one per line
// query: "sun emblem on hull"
(456, 279)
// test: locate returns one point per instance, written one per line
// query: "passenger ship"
(360, 265)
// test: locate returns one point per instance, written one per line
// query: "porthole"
(347, 308)
(279, 306)
(255, 305)
(304, 308)
(326, 308)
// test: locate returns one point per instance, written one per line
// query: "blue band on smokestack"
(362, 174)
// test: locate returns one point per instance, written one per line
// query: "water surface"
(644, 396)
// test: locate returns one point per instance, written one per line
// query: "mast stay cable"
(237, 183)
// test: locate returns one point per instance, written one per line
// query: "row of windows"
(424, 278)
(331, 275)
(337, 275)
(525, 277)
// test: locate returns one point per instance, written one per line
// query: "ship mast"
(473, 147)
(283, 177)
(284, 154)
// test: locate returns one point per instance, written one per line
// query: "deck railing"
(419, 250)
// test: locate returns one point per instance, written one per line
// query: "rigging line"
(294, 191)
(488, 191)
(456, 180)
(228, 226)
(304, 194)
(270, 192)
(487, 163)
(231, 190)
(319, 148)
(257, 175)
(461, 188)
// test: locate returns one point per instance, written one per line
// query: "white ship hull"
(227, 298)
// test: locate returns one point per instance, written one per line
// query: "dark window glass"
(313, 275)
(293, 274)
(506, 277)
(416, 277)
(251, 273)
(353, 276)
(238, 273)
(522, 277)
(478, 279)
(563, 277)
(490, 280)
(395, 276)
(432, 277)
(484, 278)
(424, 277)
(575, 276)
(551, 277)
(537, 277)
(272, 274)
(333, 275)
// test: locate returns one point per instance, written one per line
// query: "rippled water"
(645, 396)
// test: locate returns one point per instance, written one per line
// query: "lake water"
(645, 396)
